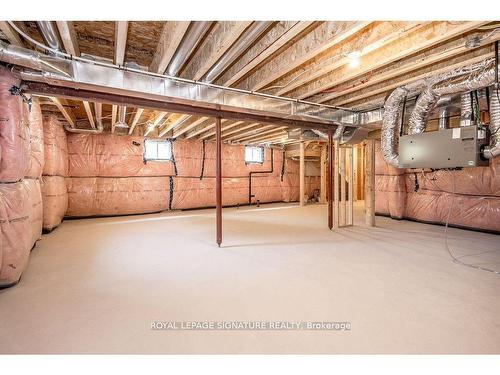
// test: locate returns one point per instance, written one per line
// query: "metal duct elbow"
(465, 109)
(193, 36)
(390, 126)
(49, 34)
(494, 149)
(245, 40)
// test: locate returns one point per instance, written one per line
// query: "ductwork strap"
(171, 195)
(202, 160)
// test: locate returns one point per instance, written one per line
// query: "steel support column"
(218, 180)
(329, 182)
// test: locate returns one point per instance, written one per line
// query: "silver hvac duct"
(460, 80)
(195, 33)
(49, 33)
(465, 109)
(494, 149)
(245, 40)
(443, 122)
(81, 73)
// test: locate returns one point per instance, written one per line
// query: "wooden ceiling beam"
(269, 134)
(429, 59)
(249, 126)
(98, 114)
(187, 128)
(260, 134)
(171, 37)
(250, 132)
(156, 118)
(68, 37)
(279, 43)
(121, 31)
(371, 38)
(389, 85)
(114, 113)
(11, 34)
(70, 118)
(172, 122)
(434, 33)
(222, 36)
(90, 116)
(211, 134)
(135, 120)
(317, 41)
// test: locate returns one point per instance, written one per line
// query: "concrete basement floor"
(95, 285)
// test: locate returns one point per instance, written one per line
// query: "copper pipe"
(218, 180)
(329, 185)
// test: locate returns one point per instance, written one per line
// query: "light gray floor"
(95, 285)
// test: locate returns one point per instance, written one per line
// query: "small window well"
(254, 154)
(157, 150)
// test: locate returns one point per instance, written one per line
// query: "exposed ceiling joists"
(70, 118)
(184, 129)
(114, 113)
(90, 116)
(172, 122)
(121, 30)
(434, 33)
(222, 36)
(226, 127)
(320, 39)
(374, 37)
(249, 132)
(241, 128)
(98, 114)
(262, 134)
(11, 35)
(279, 43)
(135, 120)
(68, 37)
(171, 37)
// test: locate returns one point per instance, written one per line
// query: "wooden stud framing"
(370, 182)
(302, 174)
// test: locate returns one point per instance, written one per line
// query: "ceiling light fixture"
(354, 58)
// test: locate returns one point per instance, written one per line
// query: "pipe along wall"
(47, 174)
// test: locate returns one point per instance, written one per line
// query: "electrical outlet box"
(446, 148)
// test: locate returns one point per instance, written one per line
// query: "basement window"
(157, 150)
(254, 154)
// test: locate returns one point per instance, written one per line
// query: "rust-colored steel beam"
(218, 180)
(329, 184)
(175, 106)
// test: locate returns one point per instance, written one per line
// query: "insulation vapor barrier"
(468, 198)
(108, 176)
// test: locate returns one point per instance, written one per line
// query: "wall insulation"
(468, 198)
(108, 176)
(21, 163)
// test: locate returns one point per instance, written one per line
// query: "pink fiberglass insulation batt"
(54, 199)
(32, 186)
(14, 132)
(36, 155)
(472, 193)
(15, 220)
(101, 196)
(55, 147)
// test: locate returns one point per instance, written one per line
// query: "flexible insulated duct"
(245, 40)
(494, 149)
(465, 109)
(49, 34)
(460, 80)
(390, 126)
(193, 36)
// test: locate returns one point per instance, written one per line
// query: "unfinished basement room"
(252, 187)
